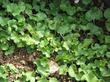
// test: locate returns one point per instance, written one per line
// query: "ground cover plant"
(54, 41)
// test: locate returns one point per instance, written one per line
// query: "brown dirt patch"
(20, 59)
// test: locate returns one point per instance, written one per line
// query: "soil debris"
(20, 59)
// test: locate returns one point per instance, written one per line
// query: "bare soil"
(20, 59)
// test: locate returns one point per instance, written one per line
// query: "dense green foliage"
(68, 32)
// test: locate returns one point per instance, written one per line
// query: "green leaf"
(35, 6)
(41, 16)
(29, 40)
(28, 9)
(86, 43)
(20, 18)
(108, 54)
(4, 46)
(86, 2)
(12, 68)
(43, 43)
(65, 57)
(42, 80)
(12, 22)
(94, 29)
(53, 80)
(107, 39)
(65, 45)
(107, 24)
(3, 75)
(3, 80)
(53, 24)
(42, 66)
(90, 77)
(17, 81)
(63, 69)
(2, 70)
(107, 13)
(29, 76)
(106, 79)
(3, 21)
(64, 29)
(65, 6)
(15, 37)
(16, 9)
(54, 7)
(94, 14)
(73, 72)
(10, 50)
(105, 72)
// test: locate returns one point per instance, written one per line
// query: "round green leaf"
(53, 80)
(86, 1)
(107, 13)
(93, 14)
(107, 24)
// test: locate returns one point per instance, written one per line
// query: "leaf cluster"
(68, 32)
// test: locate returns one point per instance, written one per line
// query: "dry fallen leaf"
(53, 66)
(76, 1)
